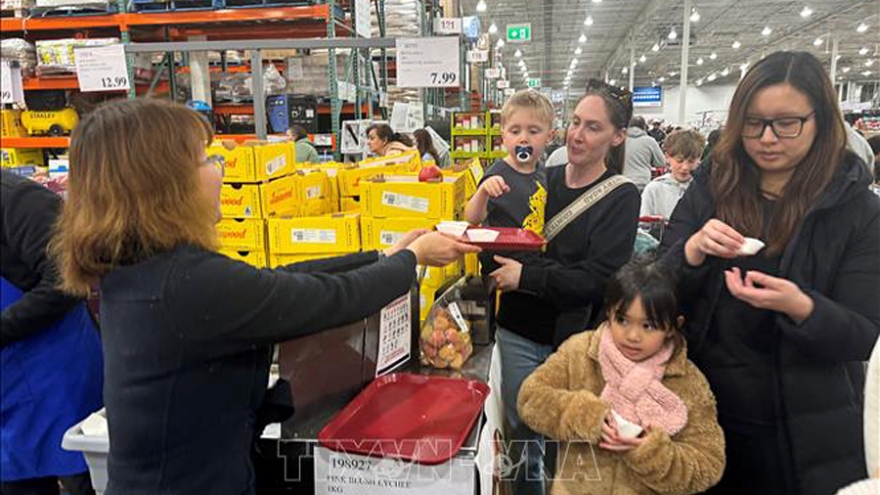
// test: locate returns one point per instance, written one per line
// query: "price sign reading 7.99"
(101, 68)
(428, 62)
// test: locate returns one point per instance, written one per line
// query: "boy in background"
(683, 152)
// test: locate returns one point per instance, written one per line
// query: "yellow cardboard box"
(351, 177)
(405, 196)
(410, 160)
(331, 169)
(471, 264)
(241, 201)
(349, 205)
(473, 172)
(437, 277)
(254, 161)
(10, 124)
(242, 234)
(315, 192)
(338, 233)
(427, 296)
(18, 157)
(282, 197)
(382, 233)
(253, 258)
(276, 260)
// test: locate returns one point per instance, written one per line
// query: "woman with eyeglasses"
(559, 294)
(187, 332)
(781, 335)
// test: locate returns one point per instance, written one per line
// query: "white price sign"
(493, 73)
(10, 83)
(101, 68)
(447, 25)
(502, 84)
(428, 62)
(509, 92)
(362, 11)
(477, 56)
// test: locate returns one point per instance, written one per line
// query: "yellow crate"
(19, 157)
(10, 124)
(349, 205)
(351, 177)
(276, 260)
(315, 191)
(242, 234)
(471, 264)
(436, 277)
(331, 169)
(253, 258)
(382, 233)
(241, 201)
(473, 172)
(405, 196)
(282, 197)
(427, 296)
(327, 234)
(410, 160)
(254, 162)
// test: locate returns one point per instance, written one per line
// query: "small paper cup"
(482, 235)
(626, 429)
(751, 247)
(455, 229)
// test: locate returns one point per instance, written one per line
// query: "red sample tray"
(419, 418)
(510, 239)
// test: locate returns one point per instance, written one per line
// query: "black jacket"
(28, 211)
(187, 339)
(835, 258)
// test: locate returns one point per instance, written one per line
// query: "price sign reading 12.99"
(428, 62)
(101, 68)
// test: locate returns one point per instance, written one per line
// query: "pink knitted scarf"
(635, 390)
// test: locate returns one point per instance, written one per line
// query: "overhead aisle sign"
(428, 62)
(648, 97)
(519, 33)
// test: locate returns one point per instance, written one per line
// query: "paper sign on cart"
(395, 329)
(101, 68)
(11, 83)
(447, 25)
(428, 62)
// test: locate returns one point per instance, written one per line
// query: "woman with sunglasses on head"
(187, 332)
(551, 298)
(781, 335)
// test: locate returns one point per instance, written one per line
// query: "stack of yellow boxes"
(392, 205)
(10, 126)
(261, 182)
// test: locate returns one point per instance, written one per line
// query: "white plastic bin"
(94, 448)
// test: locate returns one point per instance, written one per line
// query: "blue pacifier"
(523, 153)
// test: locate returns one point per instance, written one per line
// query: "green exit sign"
(519, 33)
(534, 82)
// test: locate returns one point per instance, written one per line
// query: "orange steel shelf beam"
(60, 23)
(227, 15)
(36, 142)
(69, 82)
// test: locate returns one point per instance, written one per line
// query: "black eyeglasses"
(783, 127)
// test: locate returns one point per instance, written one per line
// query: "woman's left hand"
(763, 291)
(507, 277)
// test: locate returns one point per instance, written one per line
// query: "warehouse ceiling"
(725, 35)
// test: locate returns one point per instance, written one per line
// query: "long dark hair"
(736, 179)
(655, 284)
(425, 143)
(386, 133)
(618, 104)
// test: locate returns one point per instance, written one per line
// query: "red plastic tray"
(419, 418)
(510, 239)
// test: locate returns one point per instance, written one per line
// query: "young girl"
(634, 366)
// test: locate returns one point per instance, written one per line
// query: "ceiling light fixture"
(579, 51)
(481, 6)
(493, 29)
(699, 82)
(588, 21)
(612, 82)
(736, 44)
(517, 54)
(862, 28)
(866, 73)
(818, 42)
(712, 77)
(744, 66)
(869, 63)
(624, 70)
(700, 61)
(725, 72)
(766, 31)
(807, 12)
(643, 59)
(662, 79)
(500, 44)
(713, 56)
(582, 39)
(673, 74)
(695, 16)
(863, 51)
(597, 1)
(672, 34)
(656, 47)
(845, 70)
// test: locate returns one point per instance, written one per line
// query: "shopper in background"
(782, 335)
(874, 142)
(187, 332)
(683, 151)
(569, 280)
(711, 142)
(426, 146)
(305, 152)
(50, 355)
(857, 143)
(643, 154)
(656, 132)
(383, 141)
(633, 365)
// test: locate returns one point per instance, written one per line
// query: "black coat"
(835, 258)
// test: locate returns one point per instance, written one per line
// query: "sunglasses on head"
(623, 96)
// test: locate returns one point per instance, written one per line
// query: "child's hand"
(613, 442)
(494, 187)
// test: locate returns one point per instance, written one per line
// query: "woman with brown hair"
(426, 146)
(187, 332)
(781, 335)
(383, 141)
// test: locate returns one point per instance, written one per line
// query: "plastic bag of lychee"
(445, 338)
